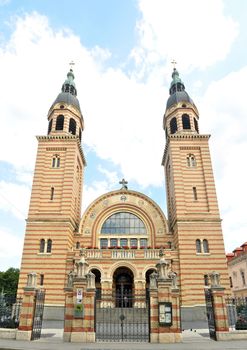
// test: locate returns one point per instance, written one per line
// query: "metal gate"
(38, 314)
(122, 319)
(210, 313)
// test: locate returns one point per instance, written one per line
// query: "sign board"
(165, 314)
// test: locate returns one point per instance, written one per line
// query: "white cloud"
(223, 114)
(10, 249)
(14, 198)
(196, 33)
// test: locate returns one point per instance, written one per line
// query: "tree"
(9, 281)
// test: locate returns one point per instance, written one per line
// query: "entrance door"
(210, 313)
(128, 321)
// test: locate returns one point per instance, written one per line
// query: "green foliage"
(9, 281)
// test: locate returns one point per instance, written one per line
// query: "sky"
(122, 52)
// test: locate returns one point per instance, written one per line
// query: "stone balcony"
(117, 254)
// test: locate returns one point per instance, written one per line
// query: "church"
(123, 234)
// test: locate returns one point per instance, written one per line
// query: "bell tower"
(55, 204)
(193, 213)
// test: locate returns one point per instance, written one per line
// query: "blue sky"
(123, 52)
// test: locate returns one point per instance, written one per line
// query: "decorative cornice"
(46, 138)
(181, 137)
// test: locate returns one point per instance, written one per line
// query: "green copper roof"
(177, 91)
(69, 84)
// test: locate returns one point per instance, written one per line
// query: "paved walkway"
(192, 340)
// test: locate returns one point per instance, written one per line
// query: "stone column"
(154, 321)
(69, 313)
(80, 296)
(167, 292)
(219, 306)
(27, 309)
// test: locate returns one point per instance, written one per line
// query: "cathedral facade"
(123, 233)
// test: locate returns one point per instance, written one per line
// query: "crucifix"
(72, 63)
(174, 64)
(124, 184)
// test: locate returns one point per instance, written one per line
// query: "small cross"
(124, 184)
(72, 63)
(174, 64)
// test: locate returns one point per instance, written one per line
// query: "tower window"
(42, 246)
(196, 125)
(194, 193)
(80, 134)
(60, 122)
(198, 246)
(206, 280)
(191, 160)
(41, 282)
(49, 246)
(205, 246)
(50, 126)
(77, 246)
(72, 126)
(230, 280)
(243, 277)
(186, 121)
(52, 193)
(56, 161)
(173, 125)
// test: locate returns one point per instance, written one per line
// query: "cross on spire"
(174, 63)
(123, 182)
(72, 63)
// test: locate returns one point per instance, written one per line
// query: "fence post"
(219, 306)
(27, 310)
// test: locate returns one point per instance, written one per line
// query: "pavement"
(51, 339)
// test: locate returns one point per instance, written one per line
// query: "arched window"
(42, 246)
(41, 279)
(196, 125)
(77, 246)
(206, 280)
(52, 193)
(205, 246)
(194, 193)
(123, 223)
(80, 134)
(72, 126)
(56, 161)
(173, 125)
(60, 122)
(49, 246)
(186, 121)
(198, 246)
(49, 126)
(191, 160)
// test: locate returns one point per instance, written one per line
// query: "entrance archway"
(123, 286)
(147, 275)
(97, 274)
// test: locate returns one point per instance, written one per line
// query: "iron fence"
(10, 307)
(237, 312)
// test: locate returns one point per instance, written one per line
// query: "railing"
(122, 253)
(237, 312)
(10, 307)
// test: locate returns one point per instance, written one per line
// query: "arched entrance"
(97, 274)
(147, 275)
(123, 287)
